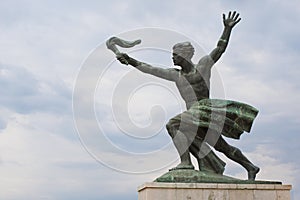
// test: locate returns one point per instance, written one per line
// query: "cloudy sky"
(75, 124)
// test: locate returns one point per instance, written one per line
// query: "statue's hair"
(184, 49)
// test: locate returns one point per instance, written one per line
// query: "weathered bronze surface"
(206, 120)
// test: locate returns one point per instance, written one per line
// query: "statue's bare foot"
(183, 166)
(252, 173)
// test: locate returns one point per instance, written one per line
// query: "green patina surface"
(194, 176)
(231, 118)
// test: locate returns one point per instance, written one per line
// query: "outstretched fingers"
(232, 19)
(237, 21)
(236, 17)
(233, 15)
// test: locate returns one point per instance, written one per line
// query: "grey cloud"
(23, 93)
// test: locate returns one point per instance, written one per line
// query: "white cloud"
(39, 163)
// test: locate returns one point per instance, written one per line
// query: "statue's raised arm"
(229, 22)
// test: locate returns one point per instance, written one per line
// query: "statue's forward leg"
(236, 155)
(181, 143)
(183, 132)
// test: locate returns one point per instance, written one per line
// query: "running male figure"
(205, 120)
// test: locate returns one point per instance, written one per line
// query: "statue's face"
(177, 59)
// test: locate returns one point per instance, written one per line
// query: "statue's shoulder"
(205, 62)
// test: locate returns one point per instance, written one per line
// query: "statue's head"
(182, 51)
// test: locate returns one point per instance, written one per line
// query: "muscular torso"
(195, 85)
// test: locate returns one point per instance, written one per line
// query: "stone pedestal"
(213, 191)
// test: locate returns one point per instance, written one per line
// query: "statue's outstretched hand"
(231, 20)
(123, 58)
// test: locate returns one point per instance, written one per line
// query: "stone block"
(212, 191)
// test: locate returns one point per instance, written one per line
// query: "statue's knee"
(171, 129)
(168, 127)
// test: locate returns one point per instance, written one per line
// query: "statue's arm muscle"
(168, 74)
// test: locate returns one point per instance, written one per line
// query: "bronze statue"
(206, 120)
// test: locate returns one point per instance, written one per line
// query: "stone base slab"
(212, 191)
